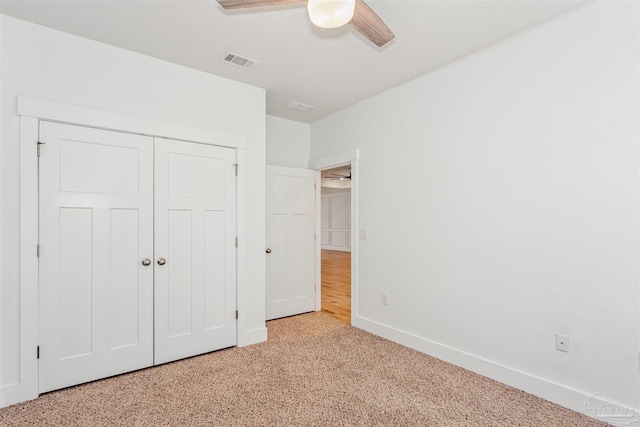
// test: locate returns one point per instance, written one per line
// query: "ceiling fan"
(335, 176)
(332, 14)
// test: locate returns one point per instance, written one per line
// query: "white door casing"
(349, 157)
(291, 257)
(96, 226)
(23, 383)
(195, 232)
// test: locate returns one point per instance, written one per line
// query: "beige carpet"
(313, 371)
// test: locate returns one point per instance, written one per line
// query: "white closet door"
(96, 225)
(195, 255)
(291, 223)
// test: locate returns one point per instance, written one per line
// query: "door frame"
(344, 158)
(31, 112)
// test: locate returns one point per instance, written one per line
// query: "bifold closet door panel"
(96, 228)
(195, 254)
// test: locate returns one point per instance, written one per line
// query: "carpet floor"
(313, 371)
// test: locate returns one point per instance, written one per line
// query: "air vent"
(299, 106)
(239, 61)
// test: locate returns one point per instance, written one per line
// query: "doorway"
(335, 241)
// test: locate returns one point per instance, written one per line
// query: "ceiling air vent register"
(299, 106)
(239, 61)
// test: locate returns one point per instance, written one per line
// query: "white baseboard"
(337, 248)
(557, 393)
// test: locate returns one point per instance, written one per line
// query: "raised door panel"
(195, 237)
(96, 224)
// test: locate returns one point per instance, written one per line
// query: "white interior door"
(291, 260)
(96, 227)
(195, 265)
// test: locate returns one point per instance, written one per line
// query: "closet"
(137, 257)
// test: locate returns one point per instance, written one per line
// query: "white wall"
(288, 142)
(335, 223)
(51, 65)
(518, 213)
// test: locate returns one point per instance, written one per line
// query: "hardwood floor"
(336, 284)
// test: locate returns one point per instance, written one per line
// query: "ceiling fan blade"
(369, 24)
(238, 4)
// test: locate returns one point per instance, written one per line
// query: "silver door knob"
(162, 261)
(268, 250)
(146, 262)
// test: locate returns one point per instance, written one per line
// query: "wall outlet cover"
(384, 297)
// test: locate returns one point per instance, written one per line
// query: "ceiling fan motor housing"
(331, 13)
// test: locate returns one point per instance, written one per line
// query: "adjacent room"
(379, 212)
(335, 242)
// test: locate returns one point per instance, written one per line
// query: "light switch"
(363, 234)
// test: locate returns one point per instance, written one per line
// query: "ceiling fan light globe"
(331, 13)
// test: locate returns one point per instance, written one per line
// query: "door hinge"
(38, 250)
(236, 166)
(38, 352)
(236, 243)
(314, 185)
(314, 236)
(38, 145)
(236, 314)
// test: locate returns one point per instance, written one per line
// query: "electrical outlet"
(562, 342)
(384, 298)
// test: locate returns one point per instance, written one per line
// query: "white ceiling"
(330, 69)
